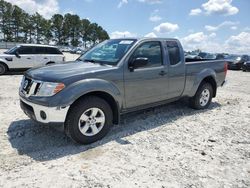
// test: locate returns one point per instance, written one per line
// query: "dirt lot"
(170, 146)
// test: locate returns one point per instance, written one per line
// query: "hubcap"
(91, 121)
(204, 97)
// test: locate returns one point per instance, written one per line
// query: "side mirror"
(137, 63)
(17, 54)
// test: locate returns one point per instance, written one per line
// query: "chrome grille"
(29, 86)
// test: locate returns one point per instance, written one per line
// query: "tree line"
(16, 25)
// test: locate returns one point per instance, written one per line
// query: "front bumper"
(44, 114)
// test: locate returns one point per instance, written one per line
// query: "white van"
(26, 56)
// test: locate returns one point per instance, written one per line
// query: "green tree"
(57, 28)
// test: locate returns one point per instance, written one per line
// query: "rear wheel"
(203, 96)
(89, 120)
(3, 69)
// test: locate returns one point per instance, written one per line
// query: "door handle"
(28, 58)
(45, 58)
(162, 73)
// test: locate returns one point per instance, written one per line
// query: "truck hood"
(63, 72)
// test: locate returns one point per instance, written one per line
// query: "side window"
(152, 51)
(173, 52)
(25, 50)
(40, 50)
(53, 51)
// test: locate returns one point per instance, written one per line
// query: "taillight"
(225, 68)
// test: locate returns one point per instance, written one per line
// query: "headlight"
(48, 89)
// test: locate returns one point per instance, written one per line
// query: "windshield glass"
(109, 52)
(12, 50)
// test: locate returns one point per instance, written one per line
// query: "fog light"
(43, 115)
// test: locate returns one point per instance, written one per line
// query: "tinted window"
(40, 50)
(25, 50)
(173, 52)
(150, 50)
(53, 51)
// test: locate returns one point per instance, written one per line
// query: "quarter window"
(173, 52)
(150, 50)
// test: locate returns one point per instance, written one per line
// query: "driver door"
(26, 57)
(147, 84)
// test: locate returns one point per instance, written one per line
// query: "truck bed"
(196, 69)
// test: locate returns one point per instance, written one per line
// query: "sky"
(210, 25)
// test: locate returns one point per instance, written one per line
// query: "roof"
(38, 45)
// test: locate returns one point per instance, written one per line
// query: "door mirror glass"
(138, 62)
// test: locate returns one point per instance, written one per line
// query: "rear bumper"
(44, 114)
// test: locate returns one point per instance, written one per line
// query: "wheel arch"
(108, 98)
(210, 80)
(3, 63)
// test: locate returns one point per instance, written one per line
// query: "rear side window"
(53, 51)
(173, 52)
(25, 50)
(40, 50)
(150, 50)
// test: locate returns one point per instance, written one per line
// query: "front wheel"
(89, 120)
(3, 69)
(203, 96)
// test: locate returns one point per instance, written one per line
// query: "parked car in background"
(235, 62)
(65, 49)
(29, 55)
(115, 77)
(205, 55)
(246, 65)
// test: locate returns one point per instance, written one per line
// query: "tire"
(50, 63)
(3, 69)
(203, 96)
(89, 120)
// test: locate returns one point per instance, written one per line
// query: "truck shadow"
(44, 143)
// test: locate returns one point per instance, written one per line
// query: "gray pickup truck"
(115, 77)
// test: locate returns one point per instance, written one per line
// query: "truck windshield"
(109, 52)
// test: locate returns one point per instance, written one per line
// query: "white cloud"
(223, 24)
(151, 1)
(219, 7)
(44, 7)
(238, 44)
(166, 28)
(151, 35)
(122, 34)
(223, 7)
(234, 27)
(122, 2)
(155, 18)
(195, 12)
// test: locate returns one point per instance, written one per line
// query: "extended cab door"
(177, 69)
(25, 57)
(149, 83)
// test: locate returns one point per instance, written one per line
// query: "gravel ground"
(169, 146)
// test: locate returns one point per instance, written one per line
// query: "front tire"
(203, 96)
(3, 69)
(89, 120)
